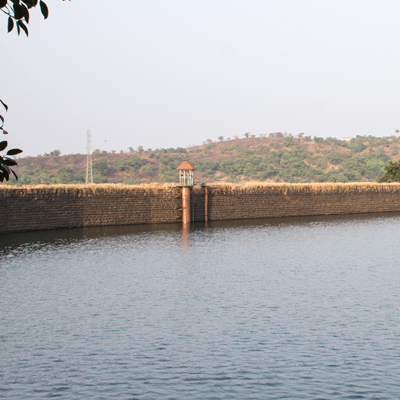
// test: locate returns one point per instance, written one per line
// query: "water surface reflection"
(63, 236)
(279, 308)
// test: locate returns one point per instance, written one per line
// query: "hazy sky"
(174, 73)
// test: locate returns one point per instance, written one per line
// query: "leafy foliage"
(392, 172)
(5, 161)
(272, 158)
(18, 15)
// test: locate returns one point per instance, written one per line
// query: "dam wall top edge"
(226, 188)
(92, 189)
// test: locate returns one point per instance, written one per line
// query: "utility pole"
(89, 168)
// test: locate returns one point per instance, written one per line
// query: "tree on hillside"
(392, 172)
(287, 141)
(18, 15)
(397, 132)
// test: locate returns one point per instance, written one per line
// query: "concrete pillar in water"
(186, 205)
(186, 180)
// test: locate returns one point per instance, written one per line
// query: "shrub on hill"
(276, 158)
(392, 172)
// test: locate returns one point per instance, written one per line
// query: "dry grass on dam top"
(307, 187)
(91, 188)
(225, 187)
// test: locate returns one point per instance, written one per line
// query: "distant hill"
(276, 158)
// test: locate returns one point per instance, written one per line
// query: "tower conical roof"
(186, 165)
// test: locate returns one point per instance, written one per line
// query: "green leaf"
(4, 132)
(10, 26)
(2, 121)
(30, 3)
(13, 152)
(3, 145)
(44, 9)
(26, 13)
(6, 171)
(1, 177)
(4, 105)
(3, 3)
(15, 175)
(18, 11)
(23, 27)
(10, 162)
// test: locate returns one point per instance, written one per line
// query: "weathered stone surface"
(57, 207)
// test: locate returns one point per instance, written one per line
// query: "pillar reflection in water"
(185, 236)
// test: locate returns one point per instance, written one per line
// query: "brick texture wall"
(299, 200)
(197, 197)
(56, 207)
(67, 207)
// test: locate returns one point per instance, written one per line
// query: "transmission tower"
(89, 168)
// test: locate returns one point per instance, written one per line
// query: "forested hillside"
(276, 158)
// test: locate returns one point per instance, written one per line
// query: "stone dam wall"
(58, 207)
(70, 206)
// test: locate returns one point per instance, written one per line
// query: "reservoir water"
(294, 308)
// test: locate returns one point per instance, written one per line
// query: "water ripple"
(286, 308)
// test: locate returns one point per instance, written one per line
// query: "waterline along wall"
(69, 206)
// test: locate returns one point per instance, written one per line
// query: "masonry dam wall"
(70, 206)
